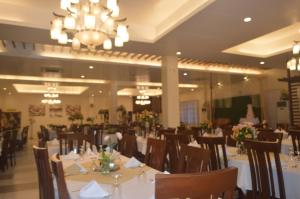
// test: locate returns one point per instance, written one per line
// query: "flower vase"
(104, 167)
(240, 147)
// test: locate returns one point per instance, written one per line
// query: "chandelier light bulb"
(107, 44)
(104, 16)
(94, 1)
(69, 22)
(74, 1)
(296, 48)
(76, 44)
(89, 21)
(64, 4)
(118, 41)
(116, 11)
(86, 8)
(112, 4)
(57, 23)
(55, 33)
(63, 38)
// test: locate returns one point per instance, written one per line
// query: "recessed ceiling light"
(100, 91)
(91, 67)
(192, 89)
(9, 93)
(262, 62)
(4, 89)
(246, 78)
(219, 84)
(82, 76)
(92, 95)
(185, 74)
(247, 19)
(178, 53)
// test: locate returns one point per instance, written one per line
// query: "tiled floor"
(20, 181)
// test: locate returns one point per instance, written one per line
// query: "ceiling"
(202, 31)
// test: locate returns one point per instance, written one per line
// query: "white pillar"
(113, 103)
(170, 96)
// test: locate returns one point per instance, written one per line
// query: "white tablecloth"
(291, 175)
(286, 145)
(139, 187)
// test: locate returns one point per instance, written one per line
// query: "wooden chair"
(214, 144)
(128, 145)
(270, 136)
(46, 189)
(295, 140)
(227, 133)
(13, 147)
(193, 159)
(156, 153)
(161, 132)
(260, 156)
(196, 186)
(173, 150)
(4, 151)
(58, 171)
(185, 136)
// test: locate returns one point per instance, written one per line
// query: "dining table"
(290, 169)
(134, 183)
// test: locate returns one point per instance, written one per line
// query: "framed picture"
(73, 109)
(56, 110)
(37, 110)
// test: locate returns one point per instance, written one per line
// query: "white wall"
(20, 103)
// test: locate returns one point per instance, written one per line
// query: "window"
(189, 112)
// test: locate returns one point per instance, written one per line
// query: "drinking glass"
(116, 177)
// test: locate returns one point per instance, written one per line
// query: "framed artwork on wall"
(73, 109)
(56, 110)
(37, 110)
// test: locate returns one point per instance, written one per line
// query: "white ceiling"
(149, 20)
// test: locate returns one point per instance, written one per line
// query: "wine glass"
(141, 169)
(116, 177)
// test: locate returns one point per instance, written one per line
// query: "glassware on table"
(292, 160)
(116, 177)
(141, 169)
(94, 165)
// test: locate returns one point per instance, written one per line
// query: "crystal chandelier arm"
(58, 15)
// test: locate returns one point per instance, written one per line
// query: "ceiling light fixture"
(294, 62)
(247, 19)
(178, 53)
(219, 84)
(246, 78)
(91, 67)
(185, 74)
(89, 23)
(4, 89)
(100, 91)
(192, 89)
(262, 62)
(82, 76)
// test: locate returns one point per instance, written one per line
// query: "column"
(113, 102)
(170, 92)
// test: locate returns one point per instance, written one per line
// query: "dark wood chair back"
(198, 186)
(185, 136)
(5, 151)
(58, 171)
(216, 145)
(198, 131)
(173, 150)
(156, 153)
(46, 189)
(270, 136)
(67, 141)
(260, 155)
(161, 132)
(193, 159)
(128, 145)
(295, 134)
(227, 133)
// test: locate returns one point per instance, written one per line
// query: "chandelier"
(89, 23)
(51, 98)
(294, 62)
(142, 100)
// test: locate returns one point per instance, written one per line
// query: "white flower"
(106, 138)
(119, 135)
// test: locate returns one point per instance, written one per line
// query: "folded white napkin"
(74, 169)
(132, 163)
(89, 153)
(194, 144)
(71, 156)
(92, 191)
(119, 135)
(166, 172)
(95, 150)
(53, 142)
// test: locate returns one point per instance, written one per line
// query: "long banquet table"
(139, 186)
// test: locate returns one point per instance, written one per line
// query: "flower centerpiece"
(242, 132)
(107, 156)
